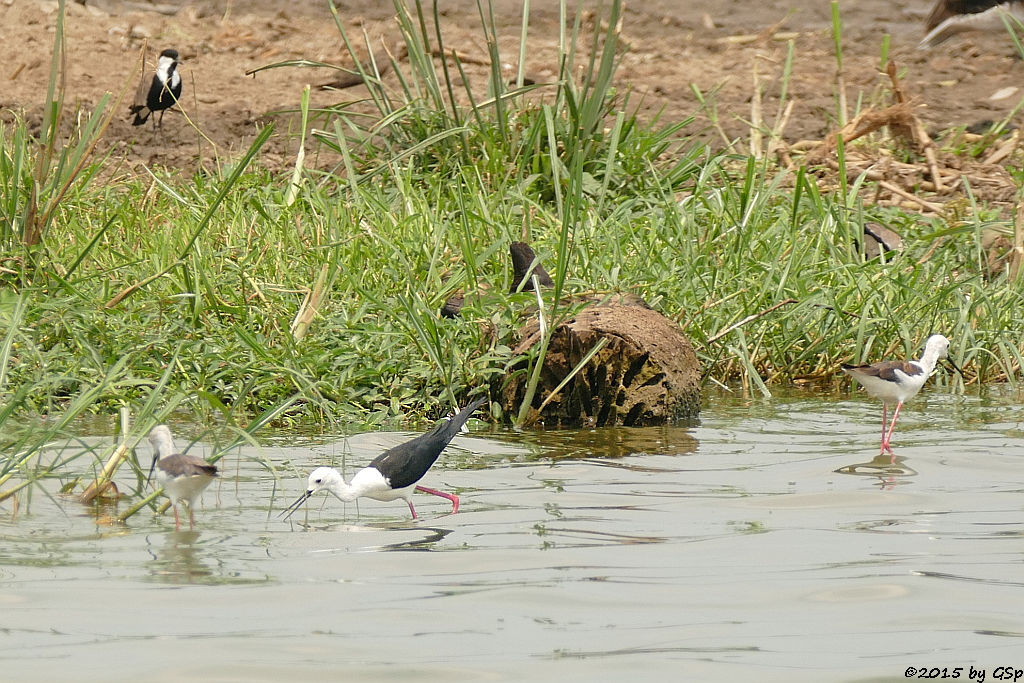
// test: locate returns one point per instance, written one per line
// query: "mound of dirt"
(645, 374)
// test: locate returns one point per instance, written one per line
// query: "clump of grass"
(40, 173)
(567, 156)
(313, 297)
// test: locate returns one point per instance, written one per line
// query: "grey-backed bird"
(897, 381)
(183, 477)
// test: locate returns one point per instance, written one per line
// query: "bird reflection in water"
(181, 560)
(890, 470)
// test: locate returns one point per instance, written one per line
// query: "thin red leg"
(177, 520)
(892, 428)
(191, 519)
(450, 496)
(884, 424)
(412, 509)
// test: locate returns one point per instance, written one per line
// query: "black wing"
(406, 463)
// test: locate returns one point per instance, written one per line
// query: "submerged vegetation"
(249, 297)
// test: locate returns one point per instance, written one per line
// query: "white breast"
(185, 488)
(370, 483)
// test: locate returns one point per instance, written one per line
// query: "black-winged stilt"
(897, 381)
(182, 477)
(160, 93)
(393, 474)
(950, 17)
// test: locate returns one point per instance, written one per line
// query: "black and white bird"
(897, 381)
(183, 477)
(160, 93)
(395, 473)
(950, 17)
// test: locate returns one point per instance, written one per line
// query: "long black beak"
(296, 505)
(151, 466)
(954, 366)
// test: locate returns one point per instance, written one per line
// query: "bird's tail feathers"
(452, 426)
(139, 118)
(946, 24)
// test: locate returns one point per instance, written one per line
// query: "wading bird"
(393, 474)
(160, 93)
(897, 381)
(183, 477)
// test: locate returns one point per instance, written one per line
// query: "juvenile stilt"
(897, 381)
(182, 477)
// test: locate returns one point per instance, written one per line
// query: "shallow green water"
(731, 550)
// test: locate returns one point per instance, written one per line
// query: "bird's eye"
(318, 481)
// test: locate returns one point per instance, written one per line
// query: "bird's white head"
(320, 479)
(163, 445)
(937, 347)
(162, 442)
(325, 478)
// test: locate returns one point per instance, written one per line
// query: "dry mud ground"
(715, 45)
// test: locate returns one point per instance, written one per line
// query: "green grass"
(189, 293)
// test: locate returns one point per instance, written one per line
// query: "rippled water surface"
(765, 542)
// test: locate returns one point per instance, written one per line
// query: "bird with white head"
(897, 381)
(393, 474)
(182, 477)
